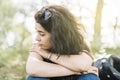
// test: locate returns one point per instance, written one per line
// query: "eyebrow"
(38, 30)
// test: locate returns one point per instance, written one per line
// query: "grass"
(113, 50)
(12, 64)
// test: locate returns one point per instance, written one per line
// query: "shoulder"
(85, 55)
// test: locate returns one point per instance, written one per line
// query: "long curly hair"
(65, 30)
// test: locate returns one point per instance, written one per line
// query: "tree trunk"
(97, 26)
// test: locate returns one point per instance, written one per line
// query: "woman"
(60, 52)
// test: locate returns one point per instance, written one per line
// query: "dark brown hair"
(66, 37)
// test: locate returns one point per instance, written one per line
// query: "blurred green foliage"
(115, 51)
(13, 57)
(12, 64)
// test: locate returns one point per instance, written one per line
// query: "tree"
(97, 26)
(7, 14)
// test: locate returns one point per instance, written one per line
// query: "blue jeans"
(81, 77)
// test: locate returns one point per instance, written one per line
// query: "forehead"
(39, 27)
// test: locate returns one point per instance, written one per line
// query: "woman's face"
(43, 37)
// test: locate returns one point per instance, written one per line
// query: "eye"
(42, 34)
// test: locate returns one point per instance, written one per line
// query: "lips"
(39, 44)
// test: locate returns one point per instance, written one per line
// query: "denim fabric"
(81, 77)
(89, 76)
(36, 78)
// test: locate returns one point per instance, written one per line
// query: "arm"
(35, 66)
(81, 62)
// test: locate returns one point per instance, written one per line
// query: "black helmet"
(109, 68)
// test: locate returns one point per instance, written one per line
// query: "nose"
(38, 38)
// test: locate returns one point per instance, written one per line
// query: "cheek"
(48, 42)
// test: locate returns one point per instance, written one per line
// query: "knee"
(89, 76)
(36, 78)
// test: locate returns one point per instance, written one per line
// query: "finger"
(34, 43)
(85, 72)
(93, 71)
(32, 48)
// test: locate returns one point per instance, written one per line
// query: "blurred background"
(100, 17)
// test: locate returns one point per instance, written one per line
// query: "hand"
(93, 70)
(40, 51)
(35, 48)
